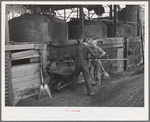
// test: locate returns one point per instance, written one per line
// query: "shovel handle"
(101, 65)
(41, 75)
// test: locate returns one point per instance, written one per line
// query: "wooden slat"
(134, 39)
(26, 78)
(111, 46)
(25, 92)
(22, 46)
(19, 47)
(26, 84)
(110, 40)
(24, 70)
(30, 56)
(35, 59)
(24, 54)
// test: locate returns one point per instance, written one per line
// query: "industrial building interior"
(46, 35)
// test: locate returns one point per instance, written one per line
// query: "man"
(95, 68)
(82, 66)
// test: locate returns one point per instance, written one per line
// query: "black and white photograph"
(77, 60)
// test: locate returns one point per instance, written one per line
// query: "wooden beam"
(8, 73)
(110, 13)
(126, 54)
(30, 56)
(138, 22)
(7, 41)
(81, 23)
(23, 46)
(121, 45)
(24, 54)
(37, 59)
(115, 20)
(19, 47)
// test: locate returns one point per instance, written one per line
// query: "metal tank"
(123, 29)
(38, 28)
(92, 29)
(130, 14)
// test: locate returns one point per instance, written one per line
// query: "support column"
(110, 13)
(65, 14)
(88, 14)
(126, 53)
(81, 23)
(138, 23)
(115, 20)
(8, 65)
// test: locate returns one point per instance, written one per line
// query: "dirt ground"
(125, 89)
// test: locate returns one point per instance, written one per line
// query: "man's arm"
(91, 52)
(101, 51)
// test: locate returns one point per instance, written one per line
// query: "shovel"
(105, 74)
(44, 91)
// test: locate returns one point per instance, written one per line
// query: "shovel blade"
(44, 92)
(106, 75)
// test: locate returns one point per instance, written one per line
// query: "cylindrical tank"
(38, 28)
(129, 14)
(92, 29)
(123, 29)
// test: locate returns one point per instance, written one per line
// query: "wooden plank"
(134, 39)
(24, 54)
(126, 45)
(7, 40)
(8, 80)
(24, 70)
(19, 47)
(111, 46)
(26, 78)
(30, 56)
(37, 59)
(26, 84)
(114, 40)
(37, 45)
(27, 91)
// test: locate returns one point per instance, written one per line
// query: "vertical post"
(6, 29)
(138, 23)
(65, 14)
(98, 13)
(126, 53)
(77, 12)
(110, 13)
(115, 20)
(81, 23)
(8, 63)
(88, 14)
